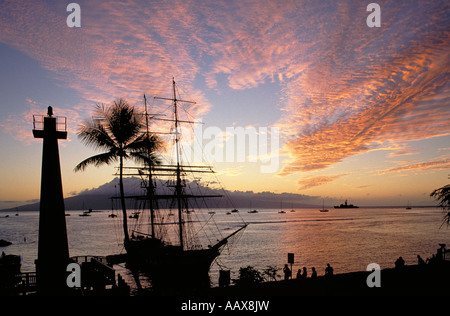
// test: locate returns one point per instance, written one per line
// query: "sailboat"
(323, 210)
(175, 256)
(281, 211)
(252, 212)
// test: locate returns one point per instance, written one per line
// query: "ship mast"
(178, 185)
(151, 188)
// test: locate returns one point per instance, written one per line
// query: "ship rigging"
(166, 188)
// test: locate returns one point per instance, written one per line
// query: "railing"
(95, 271)
(25, 282)
(88, 258)
(61, 123)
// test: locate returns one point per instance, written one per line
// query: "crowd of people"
(399, 263)
(303, 273)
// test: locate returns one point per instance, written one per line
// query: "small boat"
(323, 210)
(112, 215)
(86, 213)
(234, 211)
(281, 209)
(134, 215)
(252, 212)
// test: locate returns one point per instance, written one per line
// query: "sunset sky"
(363, 113)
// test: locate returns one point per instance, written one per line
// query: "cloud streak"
(345, 88)
(390, 85)
(429, 165)
(313, 181)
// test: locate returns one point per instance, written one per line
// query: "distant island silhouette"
(100, 198)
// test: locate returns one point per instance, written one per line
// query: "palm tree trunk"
(122, 200)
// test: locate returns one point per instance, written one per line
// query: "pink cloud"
(313, 181)
(429, 165)
(345, 88)
(365, 90)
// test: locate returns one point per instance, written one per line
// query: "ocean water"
(347, 239)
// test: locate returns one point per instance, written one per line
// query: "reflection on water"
(348, 239)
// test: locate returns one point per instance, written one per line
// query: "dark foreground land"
(408, 280)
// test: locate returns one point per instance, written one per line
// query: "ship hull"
(346, 206)
(168, 266)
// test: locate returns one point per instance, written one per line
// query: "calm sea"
(348, 239)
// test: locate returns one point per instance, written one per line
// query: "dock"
(97, 278)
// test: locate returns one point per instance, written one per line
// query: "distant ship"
(345, 205)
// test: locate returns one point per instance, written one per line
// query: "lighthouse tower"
(53, 249)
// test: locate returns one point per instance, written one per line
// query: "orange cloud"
(345, 88)
(366, 88)
(309, 182)
(430, 165)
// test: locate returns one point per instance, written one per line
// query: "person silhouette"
(328, 270)
(420, 260)
(399, 263)
(314, 273)
(287, 272)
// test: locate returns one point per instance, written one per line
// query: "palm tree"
(118, 129)
(443, 196)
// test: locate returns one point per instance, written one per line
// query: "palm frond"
(144, 157)
(93, 133)
(97, 160)
(123, 122)
(443, 196)
(149, 143)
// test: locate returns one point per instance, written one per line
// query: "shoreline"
(429, 279)
(14, 209)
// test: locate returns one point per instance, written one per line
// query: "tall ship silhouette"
(168, 245)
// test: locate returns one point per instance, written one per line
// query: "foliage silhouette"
(118, 129)
(443, 196)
